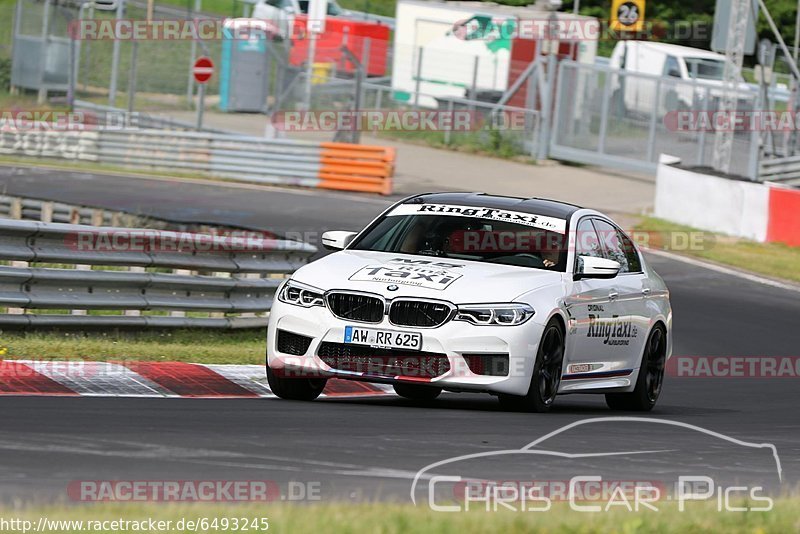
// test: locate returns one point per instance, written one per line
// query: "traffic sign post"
(627, 15)
(202, 71)
(315, 25)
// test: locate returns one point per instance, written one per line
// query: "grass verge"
(242, 347)
(774, 260)
(397, 519)
(489, 143)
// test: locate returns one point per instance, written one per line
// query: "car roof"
(535, 206)
(682, 51)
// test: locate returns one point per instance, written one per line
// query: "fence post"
(132, 76)
(601, 142)
(419, 78)
(754, 159)
(87, 57)
(448, 131)
(651, 137)
(701, 142)
(365, 55)
(17, 25)
(190, 83)
(46, 212)
(42, 97)
(112, 85)
(474, 89)
(182, 272)
(547, 106)
(15, 209)
(15, 212)
(81, 267)
(134, 313)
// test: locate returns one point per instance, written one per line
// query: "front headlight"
(494, 314)
(301, 295)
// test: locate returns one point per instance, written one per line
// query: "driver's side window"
(586, 242)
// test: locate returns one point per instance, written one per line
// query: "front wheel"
(651, 377)
(305, 389)
(417, 393)
(546, 374)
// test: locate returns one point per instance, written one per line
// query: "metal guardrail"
(110, 117)
(783, 170)
(341, 166)
(144, 288)
(48, 211)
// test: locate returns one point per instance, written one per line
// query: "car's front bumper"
(453, 339)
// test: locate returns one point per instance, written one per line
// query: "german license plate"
(386, 339)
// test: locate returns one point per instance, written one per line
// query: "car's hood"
(457, 281)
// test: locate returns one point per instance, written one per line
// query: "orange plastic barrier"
(348, 167)
(784, 216)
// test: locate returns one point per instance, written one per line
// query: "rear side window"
(634, 263)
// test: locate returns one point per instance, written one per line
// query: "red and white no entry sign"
(203, 69)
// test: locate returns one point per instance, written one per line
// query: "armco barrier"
(340, 166)
(139, 291)
(357, 167)
(764, 212)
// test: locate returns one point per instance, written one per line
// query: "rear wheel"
(546, 374)
(417, 393)
(305, 389)
(651, 377)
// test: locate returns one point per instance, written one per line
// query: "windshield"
(705, 69)
(333, 10)
(475, 238)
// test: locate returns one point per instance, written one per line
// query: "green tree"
(783, 11)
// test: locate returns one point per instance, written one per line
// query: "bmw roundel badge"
(392, 288)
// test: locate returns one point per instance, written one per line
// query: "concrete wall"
(722, 205)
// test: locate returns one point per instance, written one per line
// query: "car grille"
(356, 307)
(419, 313)
(291, 343)
(383, 362)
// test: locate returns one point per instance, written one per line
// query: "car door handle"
(646, 291)
(612, 295)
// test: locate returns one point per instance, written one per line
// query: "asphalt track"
(372, 448)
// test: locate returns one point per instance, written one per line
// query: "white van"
(281, 13)
(693, 71)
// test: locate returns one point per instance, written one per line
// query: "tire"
(650, 380)
(417, 393)
(546, 376)
(302, 389)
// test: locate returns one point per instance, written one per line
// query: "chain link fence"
(622, 119)
(549, 107)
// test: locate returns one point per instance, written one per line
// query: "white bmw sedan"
(525, 299)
